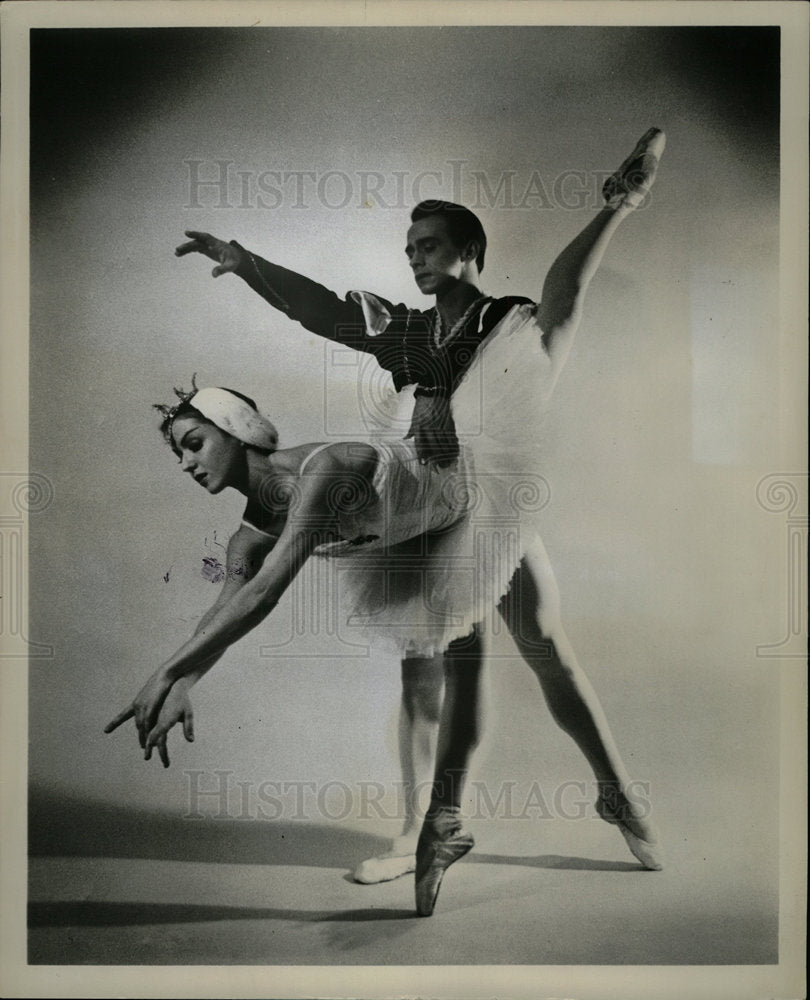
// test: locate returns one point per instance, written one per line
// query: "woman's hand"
(227, 257)
(433, 430)
(175, 709)
(145, 708)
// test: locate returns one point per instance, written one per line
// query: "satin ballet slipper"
(386, 867)
(434, 855)
(648, 852)
(630, 184)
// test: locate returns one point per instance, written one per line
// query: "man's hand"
(227, 257)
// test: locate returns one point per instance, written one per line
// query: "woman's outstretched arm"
(247, 550)
(308, 525)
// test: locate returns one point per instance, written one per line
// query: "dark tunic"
(405, 348)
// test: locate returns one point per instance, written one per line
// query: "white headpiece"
(236, 417)
(227, 411)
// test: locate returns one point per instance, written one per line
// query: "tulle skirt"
(415, 588)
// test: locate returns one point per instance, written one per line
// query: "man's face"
(434, 258)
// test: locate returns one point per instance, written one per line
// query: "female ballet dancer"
(528, 346)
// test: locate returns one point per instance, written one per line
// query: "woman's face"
(434, 258)
(212, 457)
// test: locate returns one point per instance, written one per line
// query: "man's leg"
(442, 840)
(531, 611)
(422, 689)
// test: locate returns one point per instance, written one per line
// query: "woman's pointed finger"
(119, 719)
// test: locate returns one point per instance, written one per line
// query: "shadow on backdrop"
(76, 827)
(84, 913)
(59, 826)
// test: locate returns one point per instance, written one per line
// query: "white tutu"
(424, 592)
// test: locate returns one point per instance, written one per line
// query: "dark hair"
(186, 408)
(463, 226)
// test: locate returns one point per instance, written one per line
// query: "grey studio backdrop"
(319, 141)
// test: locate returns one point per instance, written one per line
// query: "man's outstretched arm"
(315, 307)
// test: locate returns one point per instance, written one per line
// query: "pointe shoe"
(434, 855)
(631, 183)
(648, 852)
(384, 868)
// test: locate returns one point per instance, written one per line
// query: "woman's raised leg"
(570, 275)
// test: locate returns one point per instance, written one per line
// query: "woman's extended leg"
(570, 275)
(531, 611)
(422, 688)
(442, 841)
